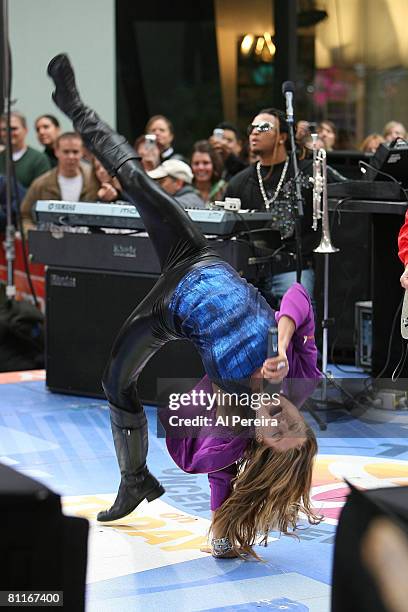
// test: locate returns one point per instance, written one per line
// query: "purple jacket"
(217, 455)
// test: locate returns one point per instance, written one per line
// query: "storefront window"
(361, 68)
(204, 62)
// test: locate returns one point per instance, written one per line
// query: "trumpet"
(320, 205)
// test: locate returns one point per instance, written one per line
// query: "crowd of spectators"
(65, 170)
(332, 139)
(255, 167)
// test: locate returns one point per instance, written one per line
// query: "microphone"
(288, 89)
(273, 341)
(270, 387)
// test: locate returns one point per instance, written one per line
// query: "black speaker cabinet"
(85, 310)
(387, 299)
(40, 548)
(354, 589)
(349, 281)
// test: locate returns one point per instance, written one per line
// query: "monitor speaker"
(40, 548)
(85, 311)
(390, 162)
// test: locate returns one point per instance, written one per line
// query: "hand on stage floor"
(229, 555)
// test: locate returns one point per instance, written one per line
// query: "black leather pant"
(179, 244)
(181, 247)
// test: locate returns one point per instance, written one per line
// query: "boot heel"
(157, 492)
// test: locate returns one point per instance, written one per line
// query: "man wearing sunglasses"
(268, 185)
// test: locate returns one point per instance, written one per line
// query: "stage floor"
(151, 560)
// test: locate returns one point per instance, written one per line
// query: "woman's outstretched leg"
(176, 240)
(174, 235)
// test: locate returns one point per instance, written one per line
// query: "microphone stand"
(308, 406)
(299, 202)
(9, 244)
(287, 88)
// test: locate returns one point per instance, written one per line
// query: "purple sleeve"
(296, 305)
(302, 352)
(220, 485)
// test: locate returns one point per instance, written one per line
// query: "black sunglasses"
(264, 126)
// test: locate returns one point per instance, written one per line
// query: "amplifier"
(127, 253)
(85, 311)
(363, 326)
(93, 283)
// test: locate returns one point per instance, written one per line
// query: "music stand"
(390, 160)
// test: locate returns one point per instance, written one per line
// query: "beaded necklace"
(269, 201)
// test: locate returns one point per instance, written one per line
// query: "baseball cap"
(175, 168)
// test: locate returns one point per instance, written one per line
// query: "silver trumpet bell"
(320, 205)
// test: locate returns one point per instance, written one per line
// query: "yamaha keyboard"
(122, 215)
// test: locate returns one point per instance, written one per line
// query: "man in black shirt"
(267, 185)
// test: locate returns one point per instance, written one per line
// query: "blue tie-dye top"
(226, 318)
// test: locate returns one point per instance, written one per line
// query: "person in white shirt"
(68, 181)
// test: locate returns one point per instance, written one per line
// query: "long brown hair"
(269, 492)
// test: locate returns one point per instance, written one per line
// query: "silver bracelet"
(220, 546)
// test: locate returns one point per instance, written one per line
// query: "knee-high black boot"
(131, 444)
(169, 228)
(112, 149)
